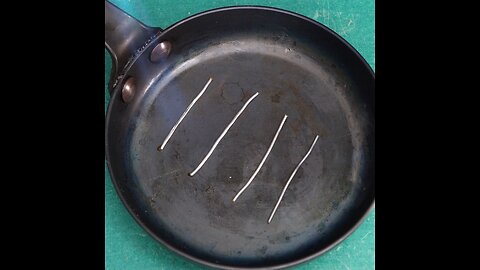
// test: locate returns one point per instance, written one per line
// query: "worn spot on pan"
(232, 93)
(262, 251)
(275, 98)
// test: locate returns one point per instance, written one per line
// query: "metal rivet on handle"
(128, 90)
(160, 51)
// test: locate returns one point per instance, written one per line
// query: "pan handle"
(124, 36)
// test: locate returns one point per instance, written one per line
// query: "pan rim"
(194, 259)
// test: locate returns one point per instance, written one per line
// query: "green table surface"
(127, 245)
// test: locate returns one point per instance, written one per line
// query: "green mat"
(127, 246)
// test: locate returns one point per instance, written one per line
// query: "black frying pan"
(299, 68)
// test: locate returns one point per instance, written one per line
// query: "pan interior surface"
(322, 95)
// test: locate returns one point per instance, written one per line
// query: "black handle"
(124, 36)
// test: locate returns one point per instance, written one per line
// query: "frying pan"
(299, 68)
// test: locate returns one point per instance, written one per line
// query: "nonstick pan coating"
(300, 68)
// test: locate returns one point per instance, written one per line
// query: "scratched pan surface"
(300, 68)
